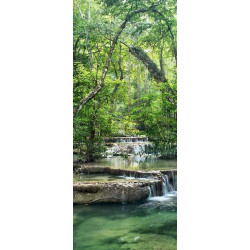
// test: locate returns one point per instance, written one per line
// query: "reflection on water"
(104, 178)
(136, 162)
(149, 225)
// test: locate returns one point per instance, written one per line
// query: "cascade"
(126, 139)
(164, 186)
(168, 185)
(128, 146)
(150, 193)
(130, 176)
(174, 180)
(155, 189)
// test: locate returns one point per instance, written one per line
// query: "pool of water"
(149, 225)
(103, 178)
(135, 162)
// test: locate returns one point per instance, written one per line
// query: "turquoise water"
(149, 225)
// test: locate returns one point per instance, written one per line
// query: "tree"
(100, 85)
(125, 77)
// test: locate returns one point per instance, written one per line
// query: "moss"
(151, 66)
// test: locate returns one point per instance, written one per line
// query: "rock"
(87, 193)
(110, 193)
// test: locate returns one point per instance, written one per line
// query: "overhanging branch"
(100, 85)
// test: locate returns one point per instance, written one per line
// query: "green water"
(136, 163)
(102, 178)
(150, 225)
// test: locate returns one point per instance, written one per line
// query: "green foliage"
(131, 101)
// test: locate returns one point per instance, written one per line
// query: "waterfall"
(126, 139)
(164, 187)
(129, 175)
(174, 177)
(155, 189)
(138, 149)
(130, 146)
(168, 186)
(152, 190)
(150, 193)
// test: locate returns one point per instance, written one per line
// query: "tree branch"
(170, 30)
(96, 90)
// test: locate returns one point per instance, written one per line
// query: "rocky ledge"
(88, 193)
(121, 172)
(114, 192)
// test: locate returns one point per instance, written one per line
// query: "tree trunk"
(87, 40)
(153, 69)
(162, 62)
(87, 33)
(129, 84)
(89, 16)
(149, 64)
(90, 143)
(75, 48)
(116, 87)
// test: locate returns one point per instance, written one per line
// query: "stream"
(151, 224)
(135, 162)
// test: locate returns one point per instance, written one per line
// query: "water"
(135, 162)
(129, 147)
(127, 139)
(167, 187)
(88, 178)
(137, 155)
(149, 225)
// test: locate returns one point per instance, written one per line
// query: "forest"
(124, 74)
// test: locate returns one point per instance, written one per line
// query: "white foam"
(163, 197)
(159, 198)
